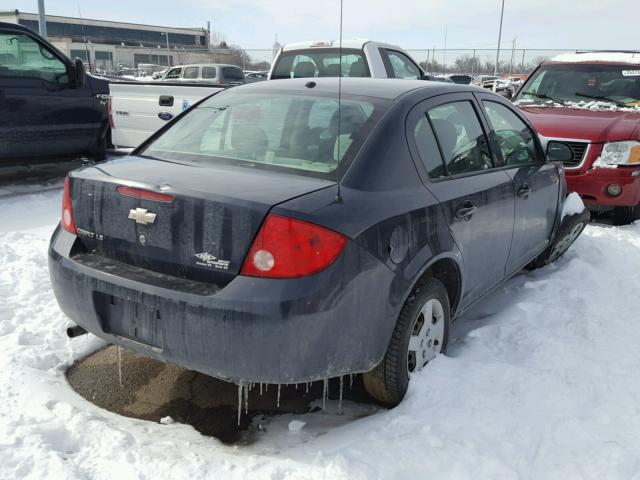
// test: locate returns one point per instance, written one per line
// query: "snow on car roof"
(609, 57)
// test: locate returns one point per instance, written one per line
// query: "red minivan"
(591, 101)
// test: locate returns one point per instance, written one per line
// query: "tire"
(626, 215)
(570, 229)
(389, 380)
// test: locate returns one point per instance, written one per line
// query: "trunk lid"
(203, 234)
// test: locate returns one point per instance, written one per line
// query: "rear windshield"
(618, 85)
(296, 132)
(320, 62)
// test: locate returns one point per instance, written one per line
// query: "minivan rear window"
(320, 62)
(208, 72)
(271, 130)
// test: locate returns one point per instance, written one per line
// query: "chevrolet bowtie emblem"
(142, 216)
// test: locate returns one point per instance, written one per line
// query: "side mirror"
(559, 152)
(78, 74)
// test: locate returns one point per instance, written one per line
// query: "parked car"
(251, 77)
(592, 101)
(360, 58)
(273, 234)
(213, 73)
(137, 110)
(437, 78)
(49, 106)
(461, 79)
(159, 74)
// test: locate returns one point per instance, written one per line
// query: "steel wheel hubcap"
(427, 335)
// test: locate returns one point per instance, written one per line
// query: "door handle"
(524, 191)
(466, 211)
(166, 101)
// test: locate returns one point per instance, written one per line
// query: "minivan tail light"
(290, 248)
(68, 223)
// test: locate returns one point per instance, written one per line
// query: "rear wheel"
(626, 215)
(420, 334)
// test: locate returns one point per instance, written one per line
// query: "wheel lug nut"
(430, 343)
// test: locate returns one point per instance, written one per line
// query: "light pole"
(42, 19)
(166, 34)
(495, 69)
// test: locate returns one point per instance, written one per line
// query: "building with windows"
(107, 45)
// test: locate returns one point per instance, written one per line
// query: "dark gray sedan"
(273, 233)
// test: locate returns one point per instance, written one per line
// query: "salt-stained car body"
(224, 244)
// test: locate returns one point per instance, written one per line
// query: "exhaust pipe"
(75, 331)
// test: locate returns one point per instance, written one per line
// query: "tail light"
(110, 111)
(290, 248)
(144, 194)
(68, 223)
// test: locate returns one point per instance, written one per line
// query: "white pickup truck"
(360, 58)
(137, 110)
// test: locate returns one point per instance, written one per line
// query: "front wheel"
(420, 334)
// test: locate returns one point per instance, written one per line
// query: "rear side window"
(208, 72)
(321, 62)
(232, 73)
(190, 72)
(462, 141)
(428, 149)
(513, 136)
(402, 66)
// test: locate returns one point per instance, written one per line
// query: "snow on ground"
(540, 382)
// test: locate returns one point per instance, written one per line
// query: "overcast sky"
(601, 24)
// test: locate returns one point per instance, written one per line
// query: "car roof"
(207, 65)
(15, 26)
(358, 43)
(370, 87)
(597, 57)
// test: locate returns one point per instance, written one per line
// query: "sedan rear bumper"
(592, 186)
(336, 322)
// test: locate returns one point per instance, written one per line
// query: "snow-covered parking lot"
(541, 381)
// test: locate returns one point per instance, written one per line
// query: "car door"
(399, 65)
(536, 181)
(41, 111)
(448, 136)
(191, 74)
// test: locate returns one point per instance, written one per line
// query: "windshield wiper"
(601, 97)
(544, 96)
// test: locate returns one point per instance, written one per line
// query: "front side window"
(174, 73)
(402, 66)
(191, 72)
(567, 84)
(296, 133)
(462, 141)
(22, 56)
(320, 62)
(513, 136)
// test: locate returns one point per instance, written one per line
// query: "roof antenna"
(338, 198)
